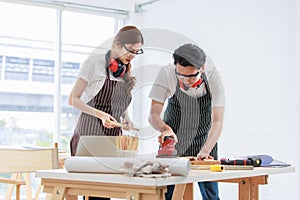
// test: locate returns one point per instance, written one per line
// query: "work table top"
(194, 176)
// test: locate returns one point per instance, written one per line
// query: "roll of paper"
(112, 165)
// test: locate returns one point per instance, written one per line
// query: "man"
(195, 108)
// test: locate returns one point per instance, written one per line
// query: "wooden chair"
(20, 162)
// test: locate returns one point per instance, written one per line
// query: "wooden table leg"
(28, 185)
(244, 189)
(49, 196)
(183, 191)
(248, 187)
(59, 192)
(73, 197)
(11, 187)
(158, 195)
(254, 185)
(178, 192)
(18, 195)
(254, 191)
(189, 192)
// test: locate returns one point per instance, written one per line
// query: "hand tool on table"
(216, 168)
(215, 165)
(225, 167)
(122, 125)
(167, 148)
(256, 162)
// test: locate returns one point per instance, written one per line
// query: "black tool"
(235, 162)
(256, 162)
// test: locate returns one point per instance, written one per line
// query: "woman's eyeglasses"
(140, 51)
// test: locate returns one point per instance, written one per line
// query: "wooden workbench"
(60, 183)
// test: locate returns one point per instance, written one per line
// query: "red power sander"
(167, 148)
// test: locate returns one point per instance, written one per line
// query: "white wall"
(253, 43)
(298, 64)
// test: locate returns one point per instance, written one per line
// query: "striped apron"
(190, 119)
(113, 99)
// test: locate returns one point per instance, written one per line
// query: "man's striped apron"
(190, 119)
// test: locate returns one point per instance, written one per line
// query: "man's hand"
(166, 131)
(204, 156)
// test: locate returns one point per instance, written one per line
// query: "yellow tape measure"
(216, 168)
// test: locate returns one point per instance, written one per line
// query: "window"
(27, 69)
(27, 54)
(78, 41)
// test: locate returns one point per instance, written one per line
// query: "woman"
(102, 91)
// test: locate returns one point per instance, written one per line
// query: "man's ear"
(202, 69)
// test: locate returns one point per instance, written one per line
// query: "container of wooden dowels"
(127, 145)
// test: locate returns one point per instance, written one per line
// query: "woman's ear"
(117, 44)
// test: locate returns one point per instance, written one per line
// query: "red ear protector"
(195, 85)
(117, 67)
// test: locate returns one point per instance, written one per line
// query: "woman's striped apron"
(113, 99)
(190, 119)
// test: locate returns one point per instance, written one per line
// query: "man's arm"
(214, 133)
(154, 117)
(156, 121)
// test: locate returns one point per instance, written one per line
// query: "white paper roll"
(177, 166)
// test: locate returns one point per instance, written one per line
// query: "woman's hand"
(129, 124)
(106, 118)
(126, 120)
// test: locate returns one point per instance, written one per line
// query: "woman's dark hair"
(129, 35)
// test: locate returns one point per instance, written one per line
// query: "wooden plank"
(238, 167)
(260, 179)
(105, 189)
(11, 181)
(205, 162)
(195, 161)
(22, 161)
(255, 180)
(27, 160)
